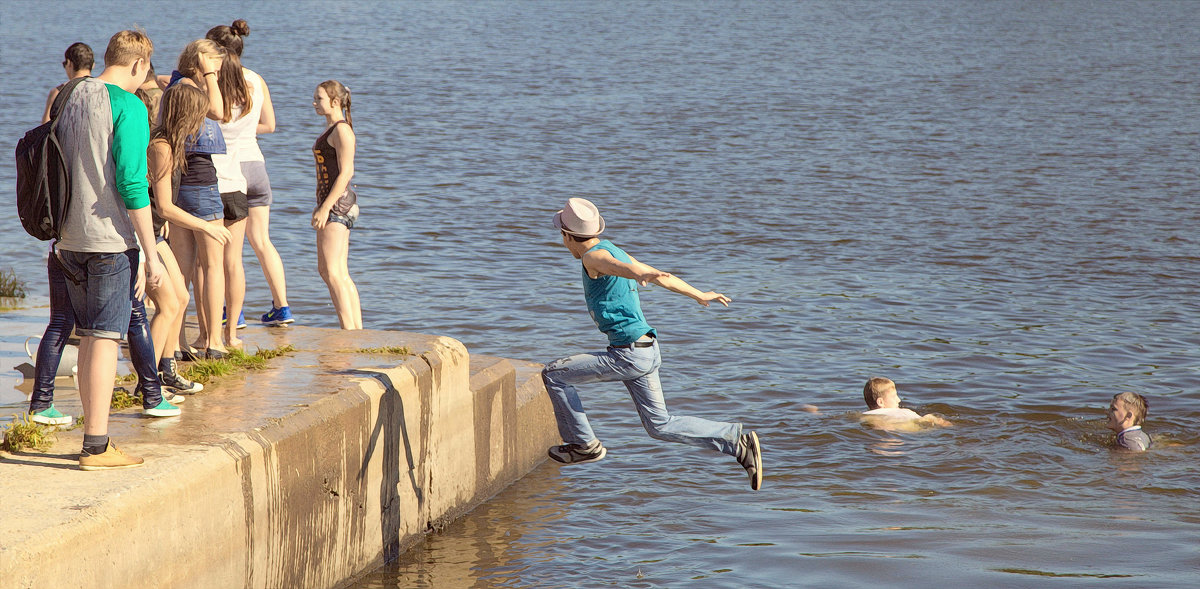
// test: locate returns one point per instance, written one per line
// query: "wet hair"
(80, 56)
(877, 388)
(183, 111)
(230, 37)
(339, 93)
(1137, 405)
(189, 60)
(126, 47)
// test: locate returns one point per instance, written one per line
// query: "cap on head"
(580, 218)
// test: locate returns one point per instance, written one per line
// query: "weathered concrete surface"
(302, 475)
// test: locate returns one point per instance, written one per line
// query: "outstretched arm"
(602, 262)
(935, 420)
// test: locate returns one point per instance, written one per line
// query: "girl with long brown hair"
(182, 114)
(200, 256)
(251, 114)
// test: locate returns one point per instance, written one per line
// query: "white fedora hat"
(580, 218)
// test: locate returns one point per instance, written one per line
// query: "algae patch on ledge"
(395, 350)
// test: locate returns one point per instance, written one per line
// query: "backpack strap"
(63, 94)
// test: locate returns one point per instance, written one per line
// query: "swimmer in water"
(1126, 414)
(884, 411)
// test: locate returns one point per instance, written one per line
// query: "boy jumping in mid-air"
(610, 281)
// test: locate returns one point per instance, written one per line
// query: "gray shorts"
(258, 185)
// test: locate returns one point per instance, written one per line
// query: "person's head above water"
(1126, 410)
(880, 393)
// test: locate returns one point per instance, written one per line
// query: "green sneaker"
(51, 416)
(163, 409)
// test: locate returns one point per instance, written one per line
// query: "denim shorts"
(349, 219)
(101, 289)
(203, 202)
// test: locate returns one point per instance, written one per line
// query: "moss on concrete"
(395, 350)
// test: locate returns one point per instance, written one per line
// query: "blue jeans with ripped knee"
(637, 368)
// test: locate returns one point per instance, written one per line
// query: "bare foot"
(232, 341)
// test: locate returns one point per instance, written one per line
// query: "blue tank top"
(613, 302)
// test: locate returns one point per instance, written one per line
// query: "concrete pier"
(305, 474)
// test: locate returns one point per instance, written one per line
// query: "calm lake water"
(992, 203)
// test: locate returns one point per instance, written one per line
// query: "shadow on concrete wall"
(392, 426)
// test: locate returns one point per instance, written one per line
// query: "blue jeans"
(54, 339)
(638, 369)
(141, 353)
(62, 320)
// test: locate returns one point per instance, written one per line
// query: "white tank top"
(241, 139)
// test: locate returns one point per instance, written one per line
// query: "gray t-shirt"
(104, 133)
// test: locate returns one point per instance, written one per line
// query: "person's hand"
(710, 296)
(139, 284)
(155, 272)
(218, 232)
(319, 218)
(210, 62)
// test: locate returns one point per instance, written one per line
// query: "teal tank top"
(613, 302)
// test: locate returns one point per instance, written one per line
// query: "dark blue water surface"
(992, 203)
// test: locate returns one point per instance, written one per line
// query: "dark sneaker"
(749, 455)
(171, 378)
(578, 453)
(211, 354)
(278, 316)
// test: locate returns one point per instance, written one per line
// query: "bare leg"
(97, 373)
(235, 280)
(166, 311)
(333, 248)
(211, 259)
(257, 230)
(179, 289)
(183, 245)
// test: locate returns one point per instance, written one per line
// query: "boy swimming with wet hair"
(884, 411)
(1126, 414)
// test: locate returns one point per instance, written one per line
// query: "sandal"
(189, 355)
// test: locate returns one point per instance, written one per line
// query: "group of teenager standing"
(196, 185)
(167, 182)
